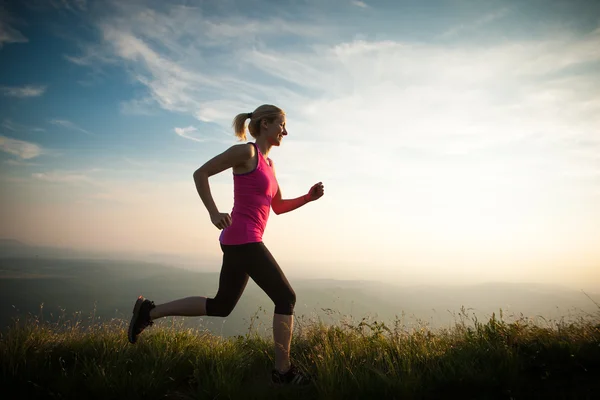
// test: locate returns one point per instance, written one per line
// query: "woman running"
(244, 254)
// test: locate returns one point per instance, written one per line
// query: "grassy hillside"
(350, 360)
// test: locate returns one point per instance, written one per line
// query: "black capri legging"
(255, 261)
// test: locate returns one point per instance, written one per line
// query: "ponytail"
(266, 111)
(239, 125)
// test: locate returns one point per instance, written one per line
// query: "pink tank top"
(252, 196)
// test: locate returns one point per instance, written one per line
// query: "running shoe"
(141, 318)
(292, 377)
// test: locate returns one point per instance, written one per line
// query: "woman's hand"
(315, 192)
(220, 220)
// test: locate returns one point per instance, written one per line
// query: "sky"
(458, 141)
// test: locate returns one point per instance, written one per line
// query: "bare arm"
(233, 156)
(281, 206)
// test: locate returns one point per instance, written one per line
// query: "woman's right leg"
(189, 307)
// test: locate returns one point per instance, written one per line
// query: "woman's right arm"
(231, 157)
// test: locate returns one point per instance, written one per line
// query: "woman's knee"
(215, 308)
(285, 305)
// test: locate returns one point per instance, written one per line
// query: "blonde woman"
(245, 256)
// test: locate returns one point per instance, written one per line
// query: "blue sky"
(457, 140)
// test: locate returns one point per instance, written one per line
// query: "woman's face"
(275, 131)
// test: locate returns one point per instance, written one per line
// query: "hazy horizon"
(74, 289)
(458, 141)
(203, 264)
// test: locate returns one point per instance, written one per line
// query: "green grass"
(351, 360)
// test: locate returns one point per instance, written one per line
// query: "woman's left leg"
(267, 274)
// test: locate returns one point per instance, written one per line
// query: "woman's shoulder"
(243, 150)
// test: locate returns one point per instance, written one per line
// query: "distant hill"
(8, 244)
(11, 248)
(108, 289)
(15, 248)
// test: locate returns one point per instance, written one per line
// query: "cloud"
(584, 173)
(20, 163)
(23, 149)
(69, 125)
(175, 87)
(294, 69)
(477, 23)
(142, 106)
(62, 177)
(166, 52)
(184, 132)
(174, 25)
(23, 91)
(70, 5)
(11, 126)
(9, 34)
(15, 127)
(92, 55)
(169, 84)
(136, 163)
(360, 4)
(153, 165)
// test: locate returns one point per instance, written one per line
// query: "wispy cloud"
(184, 132)
(9, 34)
(134, 193)
(584, 173)
(15, 127)
(8, 124)
(21, 148)
(175, 87)
(170, 84)
(136, 163)
(20, 163)
(92, 55)
(70, 125)
(62, 177)
(23, 91)
(476, 23)
(360, 4)
(142, 106)
(70, 5)
(163, 51)
(152, 164)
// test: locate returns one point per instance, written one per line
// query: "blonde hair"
(266, 111)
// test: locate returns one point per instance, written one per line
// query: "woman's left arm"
(281, 206)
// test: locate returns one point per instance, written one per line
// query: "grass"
(362, 359)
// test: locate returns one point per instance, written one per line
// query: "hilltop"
(494, 359)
